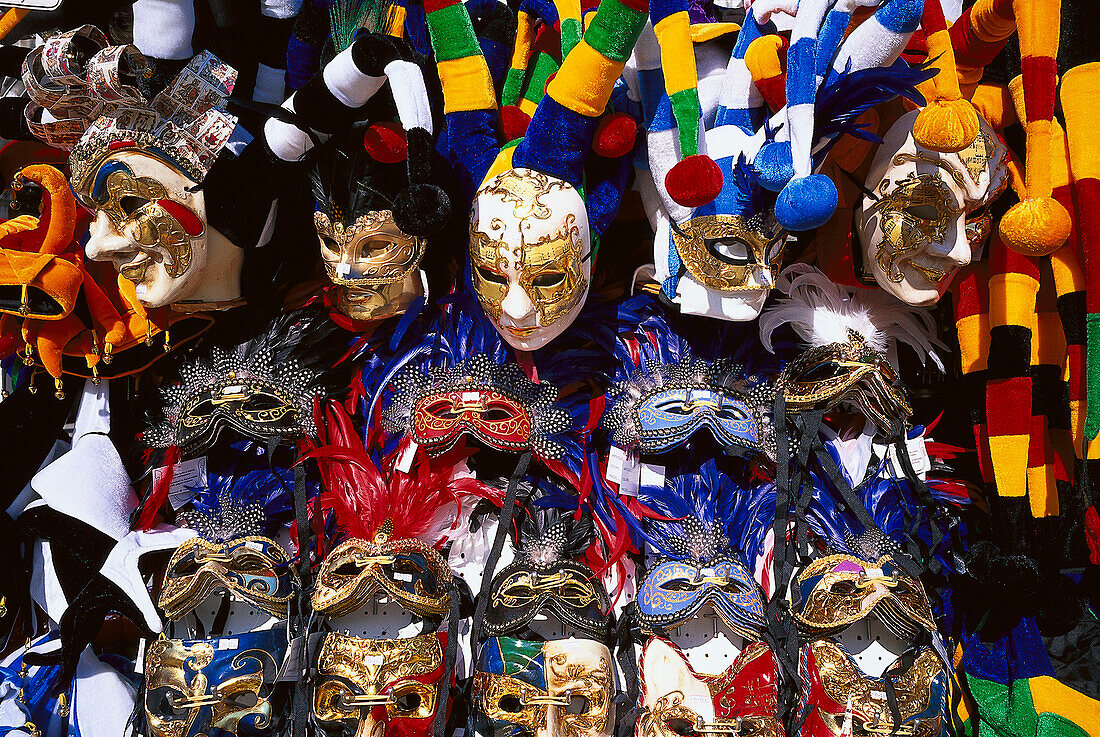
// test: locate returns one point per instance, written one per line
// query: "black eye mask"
(524, 589)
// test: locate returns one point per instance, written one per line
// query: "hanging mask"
(494, 403)
(838, 590)
(407, 570)
(224, 686)
(561, 688)
(678, 701)
(546, 579)
(530, 251)
(379, 687)
(929, 211)
(662, 405)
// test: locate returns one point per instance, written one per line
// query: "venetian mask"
(373, 263)
(407, 570)
(838, 590)
(678, 701)
(526, 588)
(148, 223)
(530, 255)
(839, 699)
(494, 403)
(561, 688)
(674, 591)
(222, 686)
(254, 569)
(828, 375)
(662, 405)
(929, 210)
(374, 688)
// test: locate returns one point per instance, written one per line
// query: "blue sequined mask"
(675, 590)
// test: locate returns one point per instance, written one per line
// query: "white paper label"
(189, 477)
(405, 460)
(616, 458)
(374, 660)
(139, 664)
(918, 456)
(631, 477)
(228, 643)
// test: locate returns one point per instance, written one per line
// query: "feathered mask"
(848, 336)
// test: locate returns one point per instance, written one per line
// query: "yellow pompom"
(946, 126)
(1036, 227)
(766, 57)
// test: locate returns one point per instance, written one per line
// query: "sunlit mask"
(142, 208)
(223, 686)
(675, 590)
(840, 700)
(924, 216)
(494, 403)
(408, 570)
(372, 688)
(253, 569)
(678, 701)
(529, 252)
(561, 688)
(373, 263)
(826, 376)
(662, 405)
(838, 590)
(729, 252)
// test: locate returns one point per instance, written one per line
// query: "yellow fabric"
(1009, 455)
(762, 57)
(395, 21)
(988, 24)
(1037, 24)
(1080, 86)
(1042, 494)
(568, 9)
(1050, 695)
(528, 106)
(703, 32)
(947, 123)
(677, 52)
(466, 85)
(1048, 342)
(502, 163)
(974, 342)
(584, 82)
(10, 20)
(525, 36)
(18, 225)
(1018, 308)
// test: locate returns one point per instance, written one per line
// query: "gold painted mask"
(529, 248)
(731, 253)
(366, 687)
(560, 688)
(228, 684)
(373, 263)
(407, 570)
(255, 569)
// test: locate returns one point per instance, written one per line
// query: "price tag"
(188, 477)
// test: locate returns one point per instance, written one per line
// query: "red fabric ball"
(615, 135)
(513, 122)
(694, 182)
(385, 142)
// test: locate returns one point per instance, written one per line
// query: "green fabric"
(615, 30)
(1003, 711)
(1092, 375)
(1056, 725)
(544, 67)
(686, 110)
(452, 33)
(570, 35)
(513, 85)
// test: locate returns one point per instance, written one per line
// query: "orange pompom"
(615, 135)
(386, 142)
(1036, 227)
(946, 126)
(694, 182)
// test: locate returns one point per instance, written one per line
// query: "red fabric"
(513, 122)
(774, 91)
(971, 50)
(694, 181)
(1040, 79)
(933, 19)
(386, 142)
(1010, 402)
(433, 5)
(981, 443)
(1092, 535)
(615, 136)
(151, 507)
(1088, 220)
(970, 296)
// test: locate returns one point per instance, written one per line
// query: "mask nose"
(369, 726)
(518, 307)
(105, 243)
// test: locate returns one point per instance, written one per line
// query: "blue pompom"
(806, 203)
(773, 165)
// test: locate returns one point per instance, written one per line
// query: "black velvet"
(30, 424)
(1009, 351)
(272, 35)
(422, 209)
(13, 123)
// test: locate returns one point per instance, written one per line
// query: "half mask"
(223, 686)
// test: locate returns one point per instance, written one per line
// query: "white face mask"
(149, 226)
(930, 213)
(530, 248)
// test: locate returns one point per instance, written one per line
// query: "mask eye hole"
(244, 699)
(510, 703)
(347, 569)
(131, 204)
(843, 587)
(821, 372)
(681, 726)
(733, 251)
(679, 584)
(160, 703)
(491, 276)
(923, 212)
(577, 705)
(264, 401)
(407, 702)
(548, 279)
(186, 567)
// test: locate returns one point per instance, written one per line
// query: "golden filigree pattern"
(698, 240)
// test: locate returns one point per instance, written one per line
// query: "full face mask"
(373, 688)
(561, 688)
(530, 251)
(494, 403)
(373, 263)
(677, 700)
(928, 213)
(220, 686)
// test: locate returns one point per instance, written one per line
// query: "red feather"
(149, 509)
